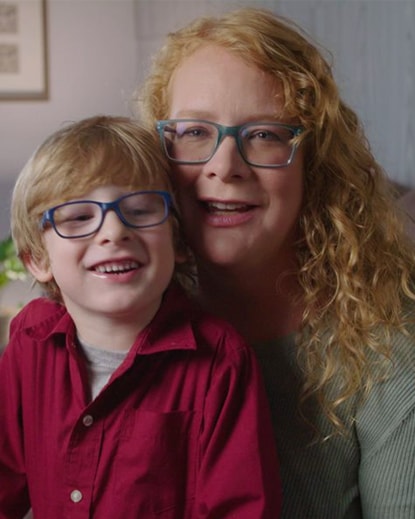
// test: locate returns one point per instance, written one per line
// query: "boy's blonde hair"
(76, 159)
(355, 264)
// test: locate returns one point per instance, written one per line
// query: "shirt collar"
(170, 329)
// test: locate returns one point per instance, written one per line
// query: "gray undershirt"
(100, 364)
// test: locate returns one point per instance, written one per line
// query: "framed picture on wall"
(23, 50)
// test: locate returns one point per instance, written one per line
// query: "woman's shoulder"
(402, 351)
(391, 398)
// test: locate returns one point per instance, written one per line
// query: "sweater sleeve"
(238, 474)
(386, 431)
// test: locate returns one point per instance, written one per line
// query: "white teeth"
(116, 267)
(225, 206)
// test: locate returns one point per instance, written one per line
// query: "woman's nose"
(227, 162)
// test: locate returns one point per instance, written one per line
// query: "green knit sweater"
(367, 474)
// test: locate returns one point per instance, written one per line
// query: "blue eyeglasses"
(261, 144)
(80, 218)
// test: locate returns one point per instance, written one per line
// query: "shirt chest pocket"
(157, 458)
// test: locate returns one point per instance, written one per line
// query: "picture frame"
(23, 50)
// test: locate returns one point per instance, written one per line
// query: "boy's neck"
(112, 338)
(113, 333)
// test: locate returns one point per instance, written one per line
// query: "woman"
(299, 245)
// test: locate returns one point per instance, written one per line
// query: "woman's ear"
(40, 270)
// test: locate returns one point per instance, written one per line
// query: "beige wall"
(92, 69)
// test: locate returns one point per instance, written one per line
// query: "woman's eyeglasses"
(261, 144)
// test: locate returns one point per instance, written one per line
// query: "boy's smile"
(118, 274)
(116, 267)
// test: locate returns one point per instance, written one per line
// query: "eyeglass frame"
(48, 218)
(232, 131)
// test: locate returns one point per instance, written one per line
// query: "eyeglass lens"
(259, 143)
(75, 219)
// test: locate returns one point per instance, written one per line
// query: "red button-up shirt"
(181, 430)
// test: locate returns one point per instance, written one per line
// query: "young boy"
(119, 398)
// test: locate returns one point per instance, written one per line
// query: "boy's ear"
(40, 270)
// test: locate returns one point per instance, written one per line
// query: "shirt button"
(76, 496)
(87, 420)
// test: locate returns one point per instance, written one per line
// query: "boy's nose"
(112, 228)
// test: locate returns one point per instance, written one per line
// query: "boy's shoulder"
(39, 314)
(182, 312)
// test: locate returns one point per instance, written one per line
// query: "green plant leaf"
(11, 268)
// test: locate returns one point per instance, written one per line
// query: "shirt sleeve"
(14, 499)
(238, 474)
